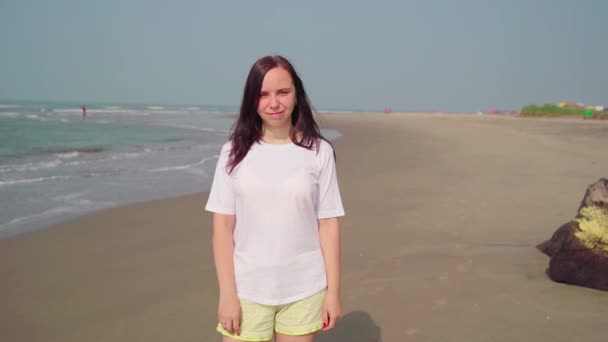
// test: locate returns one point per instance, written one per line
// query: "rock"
(579, 248)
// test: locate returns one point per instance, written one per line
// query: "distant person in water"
(276, 203)
(84, 111)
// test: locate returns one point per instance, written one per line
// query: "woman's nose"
(274, 101)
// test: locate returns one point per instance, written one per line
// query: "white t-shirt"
(278, 193)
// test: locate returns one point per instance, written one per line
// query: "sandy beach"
(443, 213)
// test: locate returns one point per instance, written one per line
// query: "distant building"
(576, 105)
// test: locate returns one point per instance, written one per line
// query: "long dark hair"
(248, 128)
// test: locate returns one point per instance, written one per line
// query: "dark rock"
(579, 248)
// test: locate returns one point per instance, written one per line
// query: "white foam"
(117, 156)
(67, 110)
(31, 180)
(9, 115)
(126, 155)
(74, 163)
(76, 200)
(34, 217)
(195, 128)
(10, 106)
(72, 203)
(66, 159)
(178, 112)
(183, 167)
(32, 116)
(68, 197)
(119, 110)
(217, 112)
(67, 155)
(29, 166)
(100, 111)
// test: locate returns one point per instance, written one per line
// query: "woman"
(276, 204)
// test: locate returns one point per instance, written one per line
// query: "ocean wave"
(68, 155)
(83, 149)
(29, 166)
(66, 158)
(122, 111)
(182, 167)
(93, 111)
(126, 155)
(173, 111)
(44, 214)
(76, 200)
(70, 203)
(9, 115)
(194, 128)
(115, 156)
(2, 106)
(68, 197)
(31, 180)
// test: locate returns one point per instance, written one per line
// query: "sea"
(56, 163)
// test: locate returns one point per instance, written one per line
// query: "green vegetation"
(549, 109)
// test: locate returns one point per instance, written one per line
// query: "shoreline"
(58, 221)
(147, 177)
(442, 217)
(62, 219)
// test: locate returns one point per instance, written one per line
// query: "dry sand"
(443, 213)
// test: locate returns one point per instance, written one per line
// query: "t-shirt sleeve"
(221, 197)
(329, 202)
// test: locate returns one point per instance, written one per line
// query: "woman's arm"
(223, 253)
(329, 235)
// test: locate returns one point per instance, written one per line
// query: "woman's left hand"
(332, 310)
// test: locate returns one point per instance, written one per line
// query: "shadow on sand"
(356, 326)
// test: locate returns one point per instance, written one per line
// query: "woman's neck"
(276, 135)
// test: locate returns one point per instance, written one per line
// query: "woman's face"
(277, 98)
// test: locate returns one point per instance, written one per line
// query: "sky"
(448, 55)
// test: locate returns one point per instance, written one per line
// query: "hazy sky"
(408, 55)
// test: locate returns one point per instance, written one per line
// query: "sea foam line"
(194, 128)
(182, 167)
(31, 180)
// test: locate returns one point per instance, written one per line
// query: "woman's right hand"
(229, 314)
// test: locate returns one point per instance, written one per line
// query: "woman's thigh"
(290, 338)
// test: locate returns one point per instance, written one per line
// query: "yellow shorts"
(259, 322)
